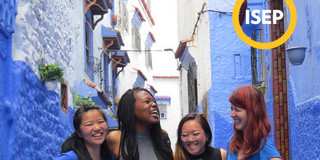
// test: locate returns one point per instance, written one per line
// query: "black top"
(209, 154)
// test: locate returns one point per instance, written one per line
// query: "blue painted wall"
(39, 125)
(224, 79)
(230, 68)
(8, 12)
(304, 84)
(32, 126)
(85, 90)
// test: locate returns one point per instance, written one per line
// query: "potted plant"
(82, 100)
(262, 88)
(51, 74)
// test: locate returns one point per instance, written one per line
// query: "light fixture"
(296, 54)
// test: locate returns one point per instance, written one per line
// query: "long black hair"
(126, 120)
(76, 143)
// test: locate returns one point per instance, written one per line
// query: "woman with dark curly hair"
(251, 127)
(140, 136)
(88, 141)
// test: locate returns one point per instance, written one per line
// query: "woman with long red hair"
(251, 139)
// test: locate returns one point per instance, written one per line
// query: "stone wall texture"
(304, 84)
(39, 126)
(35, 125)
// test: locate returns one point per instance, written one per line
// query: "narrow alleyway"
(187, 53)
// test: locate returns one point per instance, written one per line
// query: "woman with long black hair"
(140, 136)
(88, 142)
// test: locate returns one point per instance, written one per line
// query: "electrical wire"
(222, 12)
(204, 11)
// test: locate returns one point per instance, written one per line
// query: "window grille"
(192, 88)
(123, 19)
(64, 97)
(163, 111)
(260, 71)
(136, 39)
(148, 58)
(89, 59)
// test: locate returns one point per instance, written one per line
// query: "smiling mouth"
(97, 135)
(236, 120)
(155, 114)
(192, 146)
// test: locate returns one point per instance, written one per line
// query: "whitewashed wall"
(54, 30)
(170, 87)
(199, 48)
(127, 78)
(51, 30)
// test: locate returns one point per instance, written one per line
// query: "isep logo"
(268, 45)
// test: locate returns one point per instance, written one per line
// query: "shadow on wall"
(223, 131)
(6, 128)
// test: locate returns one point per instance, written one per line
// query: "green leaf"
(51, 72)
(80, 101)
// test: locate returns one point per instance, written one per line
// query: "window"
(89, 60)
(163, 111)
(123, 19)
(192, 88)
(148, 58)
(64, 97)
(136, 39)
(237, 66)
(163, 103)
(260, 70)
(87, 42)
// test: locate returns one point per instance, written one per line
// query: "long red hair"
(258, 127)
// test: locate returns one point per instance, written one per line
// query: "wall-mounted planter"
(51, 85)
(296, 54)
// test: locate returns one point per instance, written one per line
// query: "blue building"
(207, 83)
(303, 84)
(34, 120)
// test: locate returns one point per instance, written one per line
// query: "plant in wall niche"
(80, 101)
(51, 74)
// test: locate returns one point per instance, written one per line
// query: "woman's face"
(93, 128)
(240, 117)
(193, 137)
(146, 109)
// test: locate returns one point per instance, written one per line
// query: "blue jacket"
(71, 155)
(268, 151)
